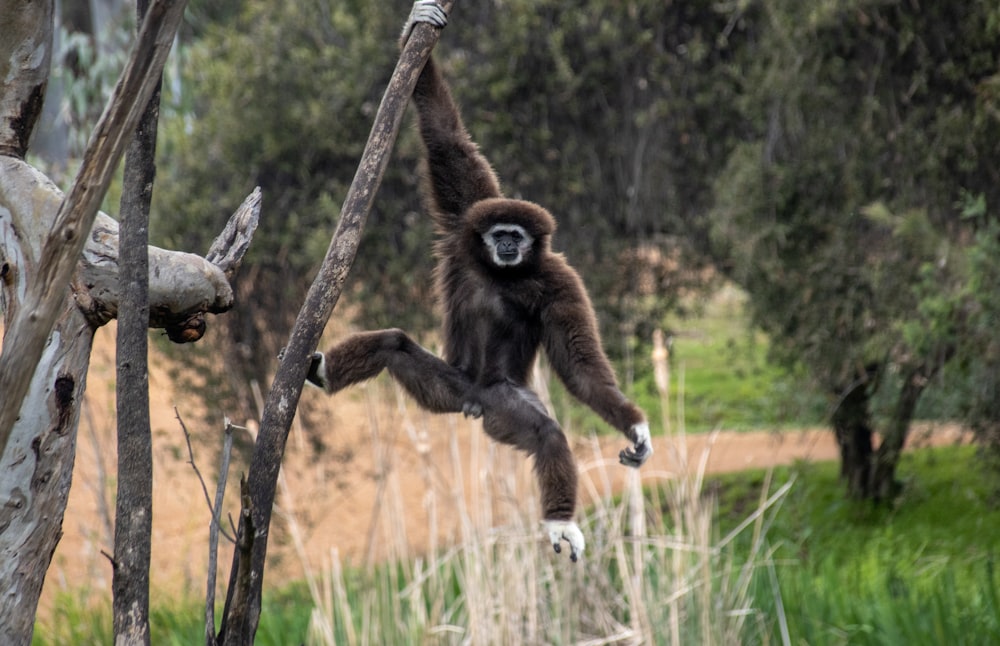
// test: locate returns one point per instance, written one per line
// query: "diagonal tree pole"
(26, 336)
(242, 612)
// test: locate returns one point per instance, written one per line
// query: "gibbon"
(504, 294)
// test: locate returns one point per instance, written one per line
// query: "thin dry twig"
(214, 530)
(204, 488)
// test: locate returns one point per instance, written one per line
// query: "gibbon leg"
(435, 385)
(514, 415)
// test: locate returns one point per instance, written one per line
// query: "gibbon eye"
(516, 235)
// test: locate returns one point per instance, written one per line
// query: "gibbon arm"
(573, 347)
(458, 175)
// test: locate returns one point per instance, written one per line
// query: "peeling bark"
(59, 281)
(24, 70)
(36, 468)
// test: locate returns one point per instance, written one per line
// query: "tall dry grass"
(654, 571)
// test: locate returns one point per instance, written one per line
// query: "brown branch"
(238, 610)
(283, 398)
(134, 503)
(111, 559)
(46, 295)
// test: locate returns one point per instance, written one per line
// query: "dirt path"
(393, 481)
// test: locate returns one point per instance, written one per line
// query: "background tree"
(841, 211)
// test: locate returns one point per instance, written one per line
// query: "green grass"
(174, 622)
(918, 571)
(726, 377)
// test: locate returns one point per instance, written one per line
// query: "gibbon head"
(511, 233)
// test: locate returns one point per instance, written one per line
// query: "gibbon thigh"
(435, 385)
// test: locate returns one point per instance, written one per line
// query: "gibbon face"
(508, 244)
(514, 233)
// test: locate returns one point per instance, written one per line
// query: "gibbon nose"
(507, 250)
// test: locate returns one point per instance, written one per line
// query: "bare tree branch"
(32, 324)
(231, 245)
(213, 535)
(240, 623)
(215, 509)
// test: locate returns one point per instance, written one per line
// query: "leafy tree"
(978, 353)
(840, 212)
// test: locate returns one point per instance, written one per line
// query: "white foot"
(317, 371)
(565, 530)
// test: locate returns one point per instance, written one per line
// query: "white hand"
(641, 450)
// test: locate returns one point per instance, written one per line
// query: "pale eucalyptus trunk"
(49, 321)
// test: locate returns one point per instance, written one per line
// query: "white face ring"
(499, 239)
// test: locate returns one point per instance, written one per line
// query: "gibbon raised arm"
(504, 294)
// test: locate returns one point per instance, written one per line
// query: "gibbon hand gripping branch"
(240, 619)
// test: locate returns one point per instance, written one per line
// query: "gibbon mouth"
(507, 256)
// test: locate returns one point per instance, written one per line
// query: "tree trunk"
(25, 56)
(852, 427)
(36, 468)
(871, 474)
(884, 485)
(134, 500)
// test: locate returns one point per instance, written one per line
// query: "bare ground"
(385, 461)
